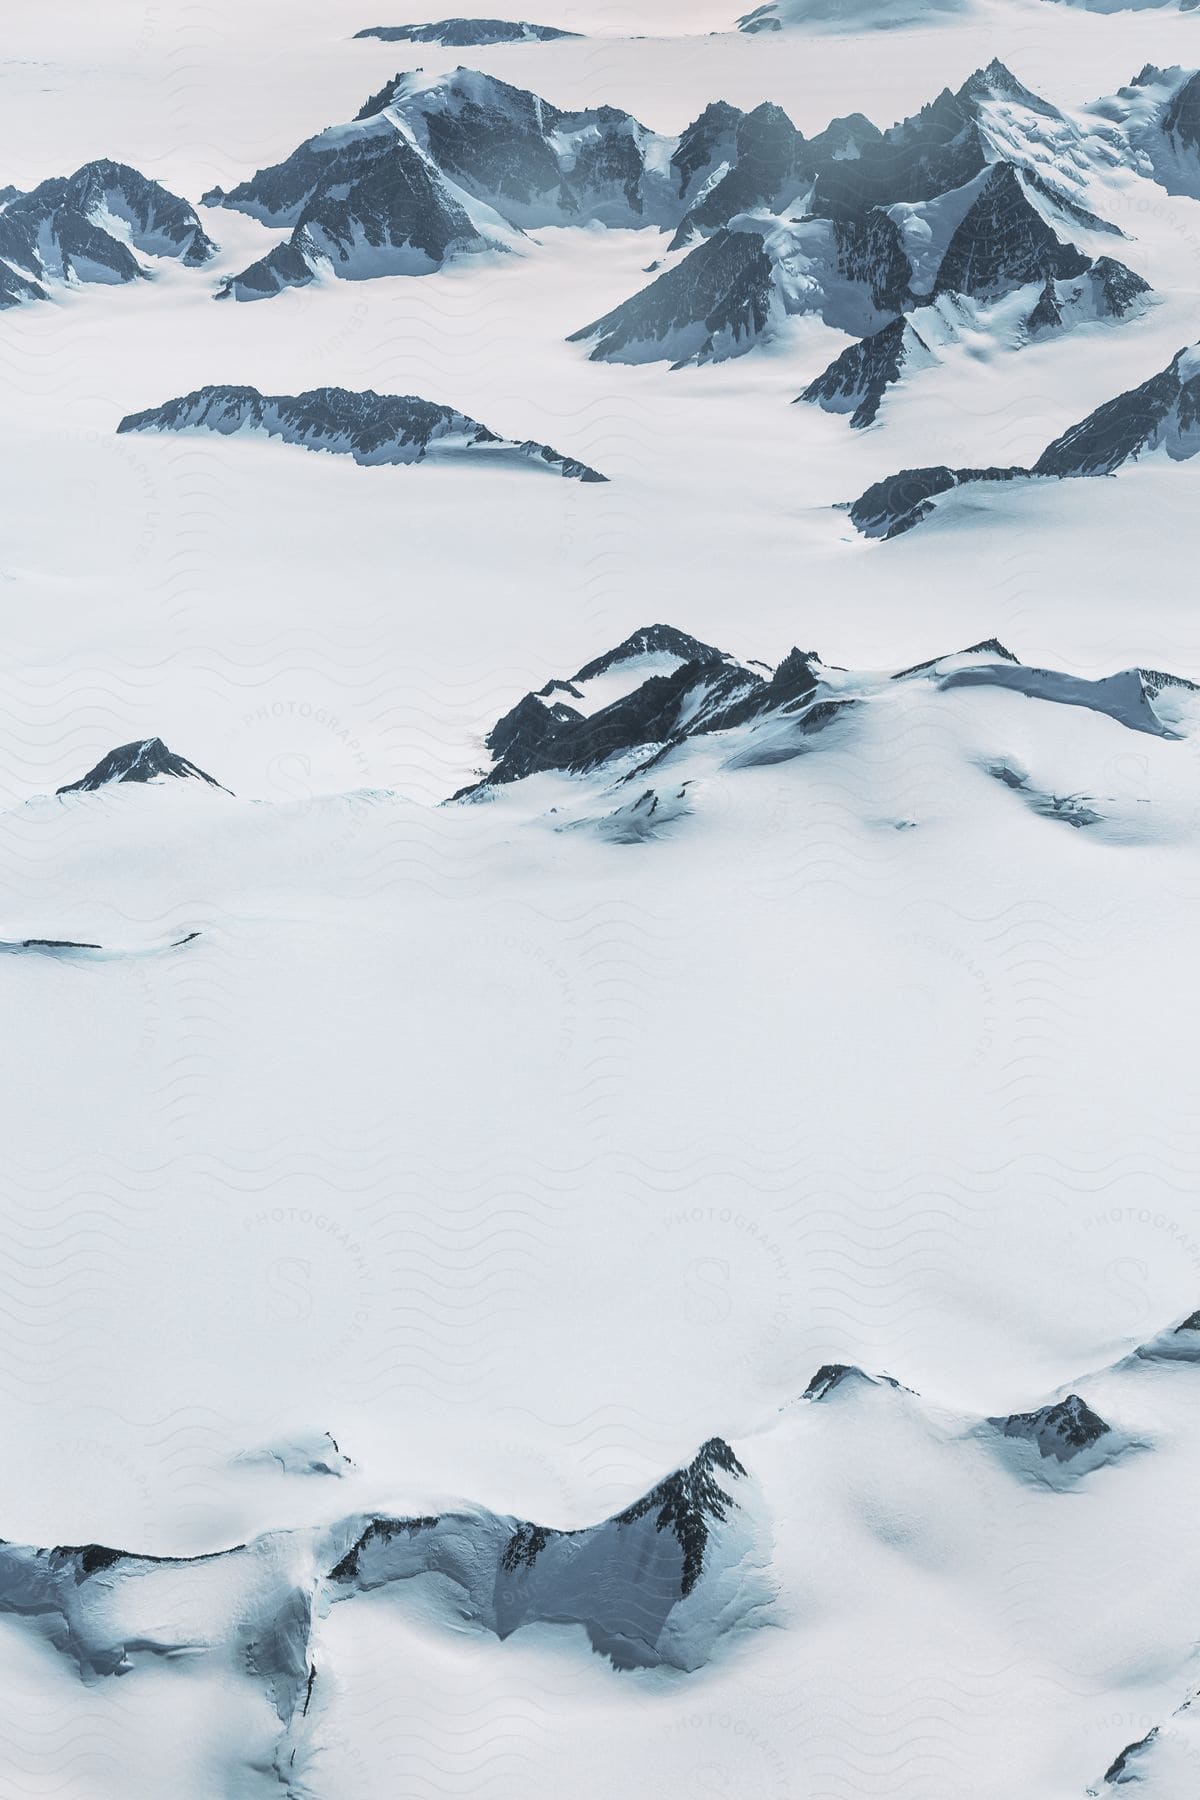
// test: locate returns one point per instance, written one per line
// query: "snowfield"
(601, 1180)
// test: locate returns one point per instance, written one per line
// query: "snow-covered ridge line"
(1159, 417)
(437, 167)
(463, 33)
(965, 217)
(86, 227)
(372, 428)
(662, 687)
(660, 1583)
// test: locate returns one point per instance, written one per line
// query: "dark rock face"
(379, 1531)
(721, 292)
(1061, 1431)
(1165, 407)
(1120, 288)
(146, 760)
(856, 381)
(894, 505)
(459, 33)
(707, 692)
(1047, 314)
(1190, 1324)
(870, 252)
(899, 502)
(937, 149)
(1003, 243)
(371, 204)
(1118, 1771)
(58, 231)
(1163, 412)
(766, 166)
(160, 222)
(688, 1502)
(534, 162)
(370, 427)
(375, 197)
(651, 640)
(1181, 121)
(707, 142)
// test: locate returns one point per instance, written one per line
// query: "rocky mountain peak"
(146, 759)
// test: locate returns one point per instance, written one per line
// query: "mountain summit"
(147, 759)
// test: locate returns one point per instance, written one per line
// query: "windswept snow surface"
(674, 1271)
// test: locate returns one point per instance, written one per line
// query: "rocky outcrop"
(1163, 413)
(857, 380)
(1061, 1431)
(460, 33)
(715, 303)
(372, 428)
(146, 759)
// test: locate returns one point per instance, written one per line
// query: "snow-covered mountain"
(953, 223)
(462, 33)
(440, 167)
(372, 428)
(658, 1584)
(1153, 125)
(147, 759)
(637, 737)
(86, 227)
(725, 1550)
(1159, 418)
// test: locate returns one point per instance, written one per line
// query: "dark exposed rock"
(720, 291)
(1118, 1771)
(1119, 287)
(372, 428)
(708, 141)
(706, 693)
(1164, 412)
(651, 640)
(1003, 242)
(144, 760)
(855, 382)
(1047, 314)
(894, 505)
(59, 230)
(766, 167)
(1164, 409)
(870, 252)
(367, 204)
(1181, 121)
(688, 1502)
(379, 1531)
(458, 33)
(939, 148)
(526, 1545)
(1061, 1431)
